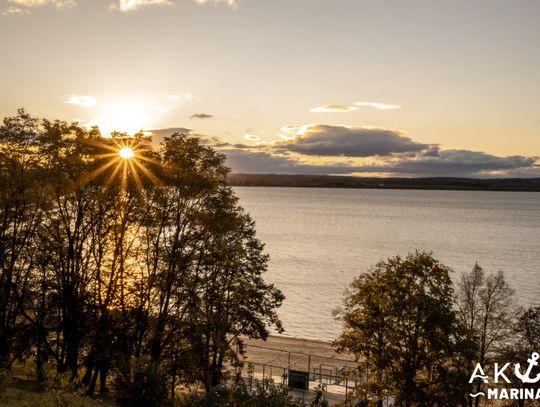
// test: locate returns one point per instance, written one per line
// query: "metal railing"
(333, 375)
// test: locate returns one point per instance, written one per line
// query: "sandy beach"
(297, 345)
(278, 355)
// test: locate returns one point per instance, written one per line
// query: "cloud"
(158, 135)
(252, 137)
(333, 109)
(230, 3)
(162, 109)
(409, 159)
(133, 5)
(169, 131)
(120, 5)
(263, 162)
(452, 163)
(185, 96)
(201, 116)
(249, 162)
(466, 163)
(80, 100)
(380, 106)
(15, 11)
(59, 4)
(336, 140)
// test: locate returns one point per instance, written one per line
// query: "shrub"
(140, 383)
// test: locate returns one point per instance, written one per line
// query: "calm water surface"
(320, 239)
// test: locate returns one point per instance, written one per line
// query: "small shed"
(298, 379)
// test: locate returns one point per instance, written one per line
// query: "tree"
(398, 317)
(203, 265)
(231, 300)
(65, 235)
(525, 341)
(486, 308)
(528, 329)
(22, 190)
(144, 265)
(116, 231)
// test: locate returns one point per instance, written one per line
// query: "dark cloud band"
(450, 163)
(328, 140)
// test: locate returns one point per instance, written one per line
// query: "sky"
(350, 87)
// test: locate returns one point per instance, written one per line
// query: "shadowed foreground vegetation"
(420, 338)
(142, 273)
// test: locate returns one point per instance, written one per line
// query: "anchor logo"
(526, 378)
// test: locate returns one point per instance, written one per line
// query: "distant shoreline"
(434, 183)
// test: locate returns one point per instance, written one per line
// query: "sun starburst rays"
(124, 160)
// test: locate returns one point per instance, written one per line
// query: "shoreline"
(259, 351)
(352, 182)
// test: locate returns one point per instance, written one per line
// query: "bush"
(5, 379)
(140, 383)
(265, 393)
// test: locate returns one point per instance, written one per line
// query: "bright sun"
(126, 153)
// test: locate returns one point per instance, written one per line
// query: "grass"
(20, 389)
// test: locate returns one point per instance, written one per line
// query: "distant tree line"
(141, 271)
(339, 181)
(419, 337)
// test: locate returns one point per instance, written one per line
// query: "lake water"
(320, 239)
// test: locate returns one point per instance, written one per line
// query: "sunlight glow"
(128, 115)
(126, 153)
